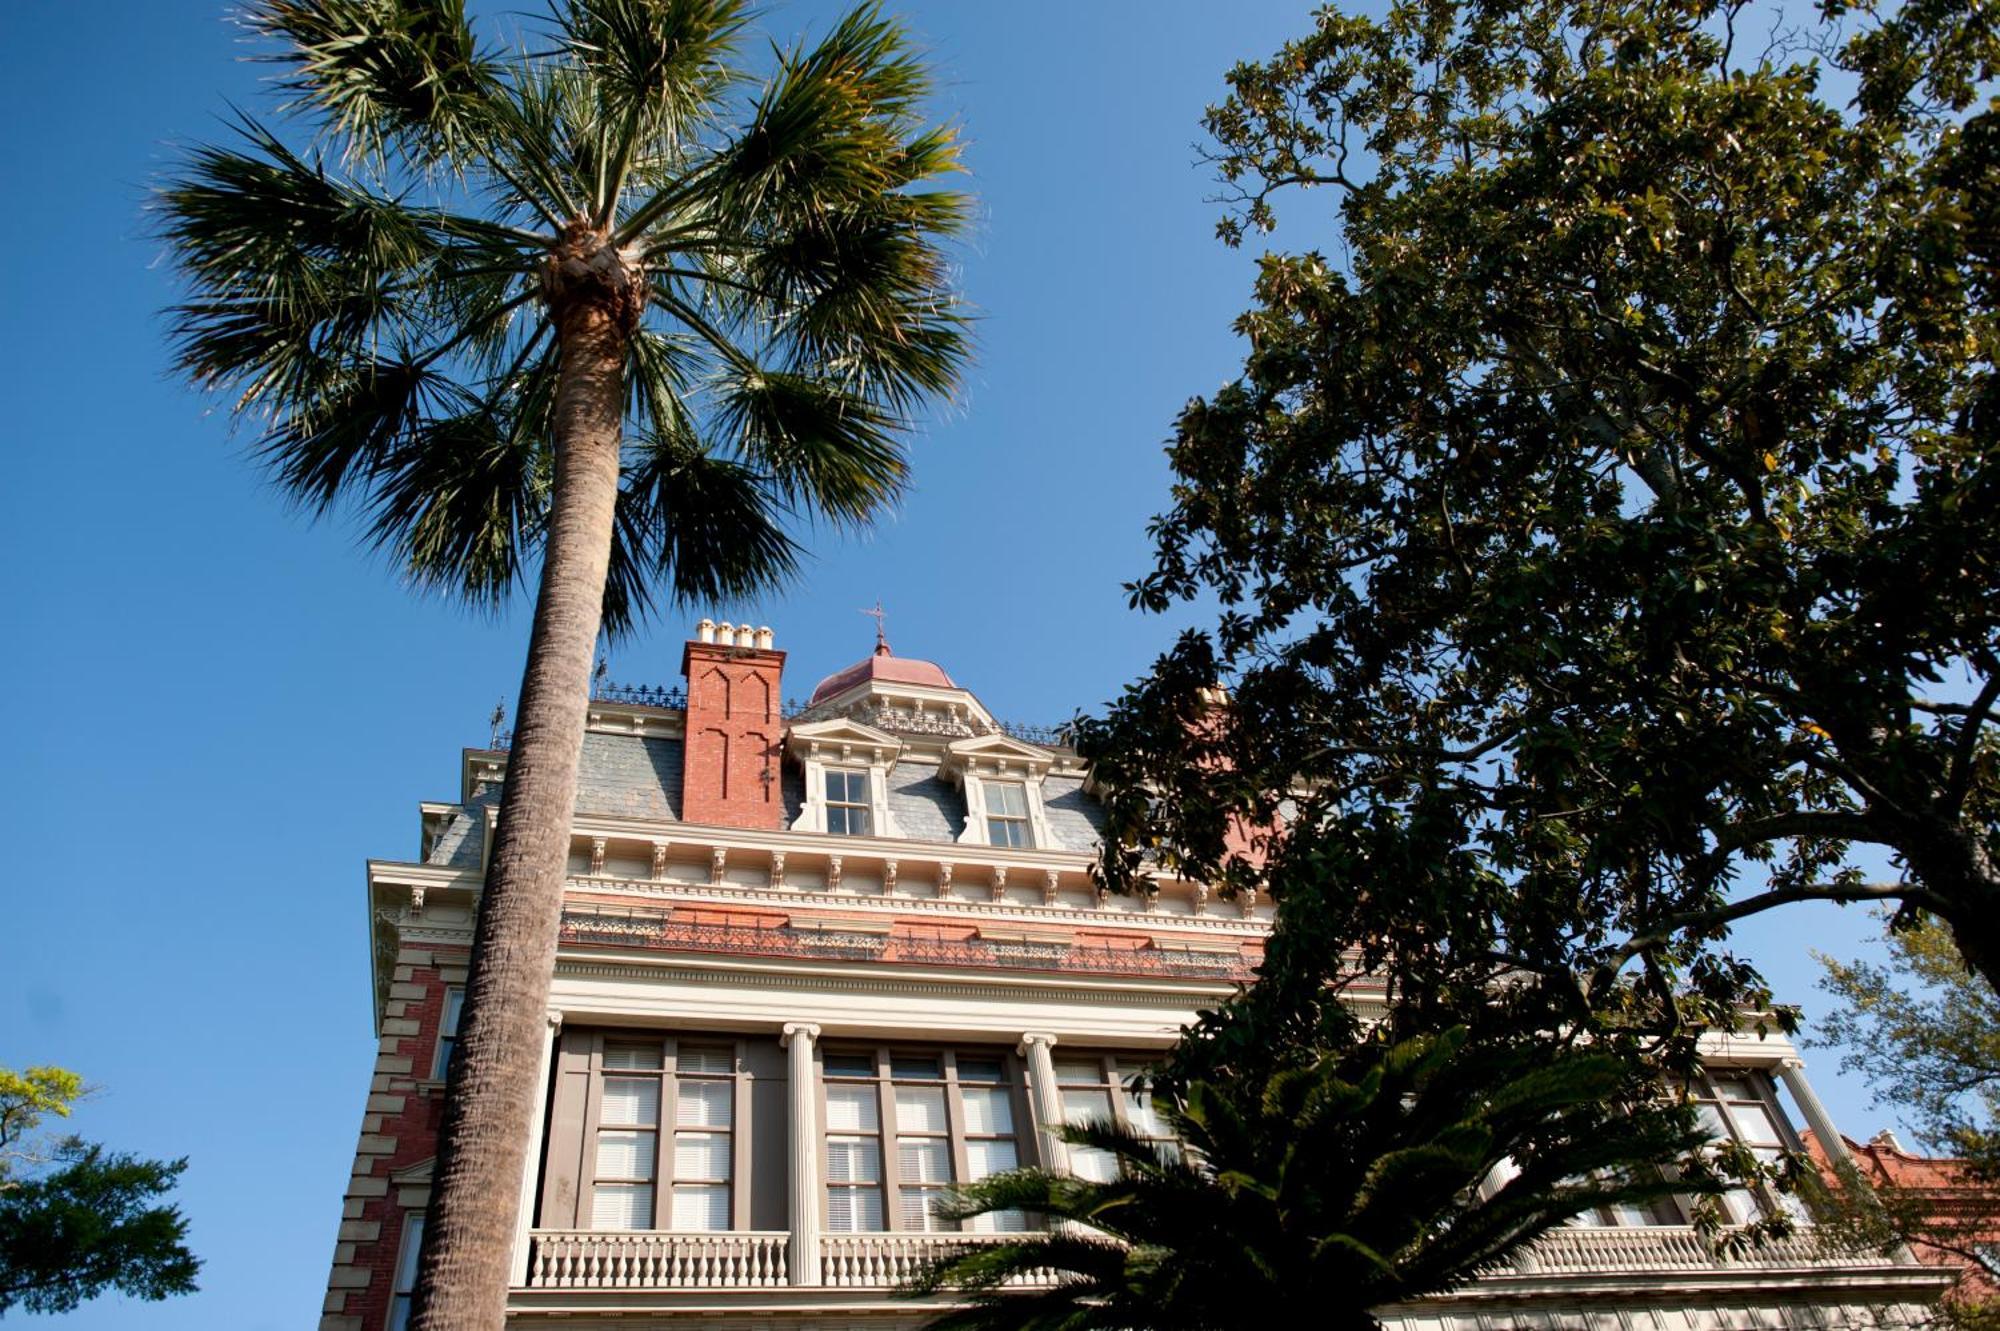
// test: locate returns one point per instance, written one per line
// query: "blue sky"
(214, 712)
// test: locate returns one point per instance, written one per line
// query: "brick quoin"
(730, 775)
(414, 1129)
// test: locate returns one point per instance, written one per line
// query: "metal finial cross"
(881, 619)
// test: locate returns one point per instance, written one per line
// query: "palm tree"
(600, 302)
(1318, 1193)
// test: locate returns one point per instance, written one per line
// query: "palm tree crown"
(390, 303)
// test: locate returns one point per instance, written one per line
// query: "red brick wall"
(399, 1130)
(730, 768)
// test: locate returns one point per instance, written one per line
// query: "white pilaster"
(1035, 1045)
(524, 1220)
(803, 1252)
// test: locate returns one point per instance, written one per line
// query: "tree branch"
(1718, 916)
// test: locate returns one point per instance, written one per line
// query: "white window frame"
(887, 1134)
(403, 1281)
(447, 1037)
(1764, 1094)
(1023, 820)
(866, 804)
(667, 1127)
(971, 763)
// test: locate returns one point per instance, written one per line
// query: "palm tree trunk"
(489, 1106)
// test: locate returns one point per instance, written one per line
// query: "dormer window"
(847, 769)
(1007, 814)
(848, 806)
(1002, 779)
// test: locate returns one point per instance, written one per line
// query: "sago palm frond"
(1332, 1188)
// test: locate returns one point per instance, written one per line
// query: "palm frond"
(460, 503)
(402, 74)
(698, 525)
(824, 448)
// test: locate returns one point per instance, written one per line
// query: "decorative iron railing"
(902, 720)
(662, 930)
(652, 1259)
(642, 695)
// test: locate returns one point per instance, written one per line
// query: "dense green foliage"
(378, 300)
(1316, 1191)
(76, 1220)
(1925, 1033)
(1606, 520)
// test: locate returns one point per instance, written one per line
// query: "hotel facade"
(821, 961)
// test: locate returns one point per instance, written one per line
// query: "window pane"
(704, 1103)
(717, 1059)
(916, 1067)
(631, 1057)
(1081, 1106)
(399, 1313)
(853, 1160)
(1735, 1088)
(1087, 1162)
(621, 1206)
(1087, 1070)
(920, 1109)
(1007, 799)
(625, 1155)
(701, 1156)
(923, 1160)
(999, 1222)
(454, 1004)
(847, 821)
(851, 1109)
(989, 1110)
(990, 1157)
(1756, 1125)
(1005, 832)
(704, 1207)
(917, 1208)
(406, 1260)
(1139, 1112)
(978, 1067)
(1710, 1118)
(850, 1065)
(851, 1210)
(630, 1100)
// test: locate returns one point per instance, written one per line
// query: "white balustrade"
(1643, 1248)
(653, 1259)
(884, 1261)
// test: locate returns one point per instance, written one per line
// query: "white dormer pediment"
(996, 754)
(842, 740)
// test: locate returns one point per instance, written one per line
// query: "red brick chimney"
(730, 768)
